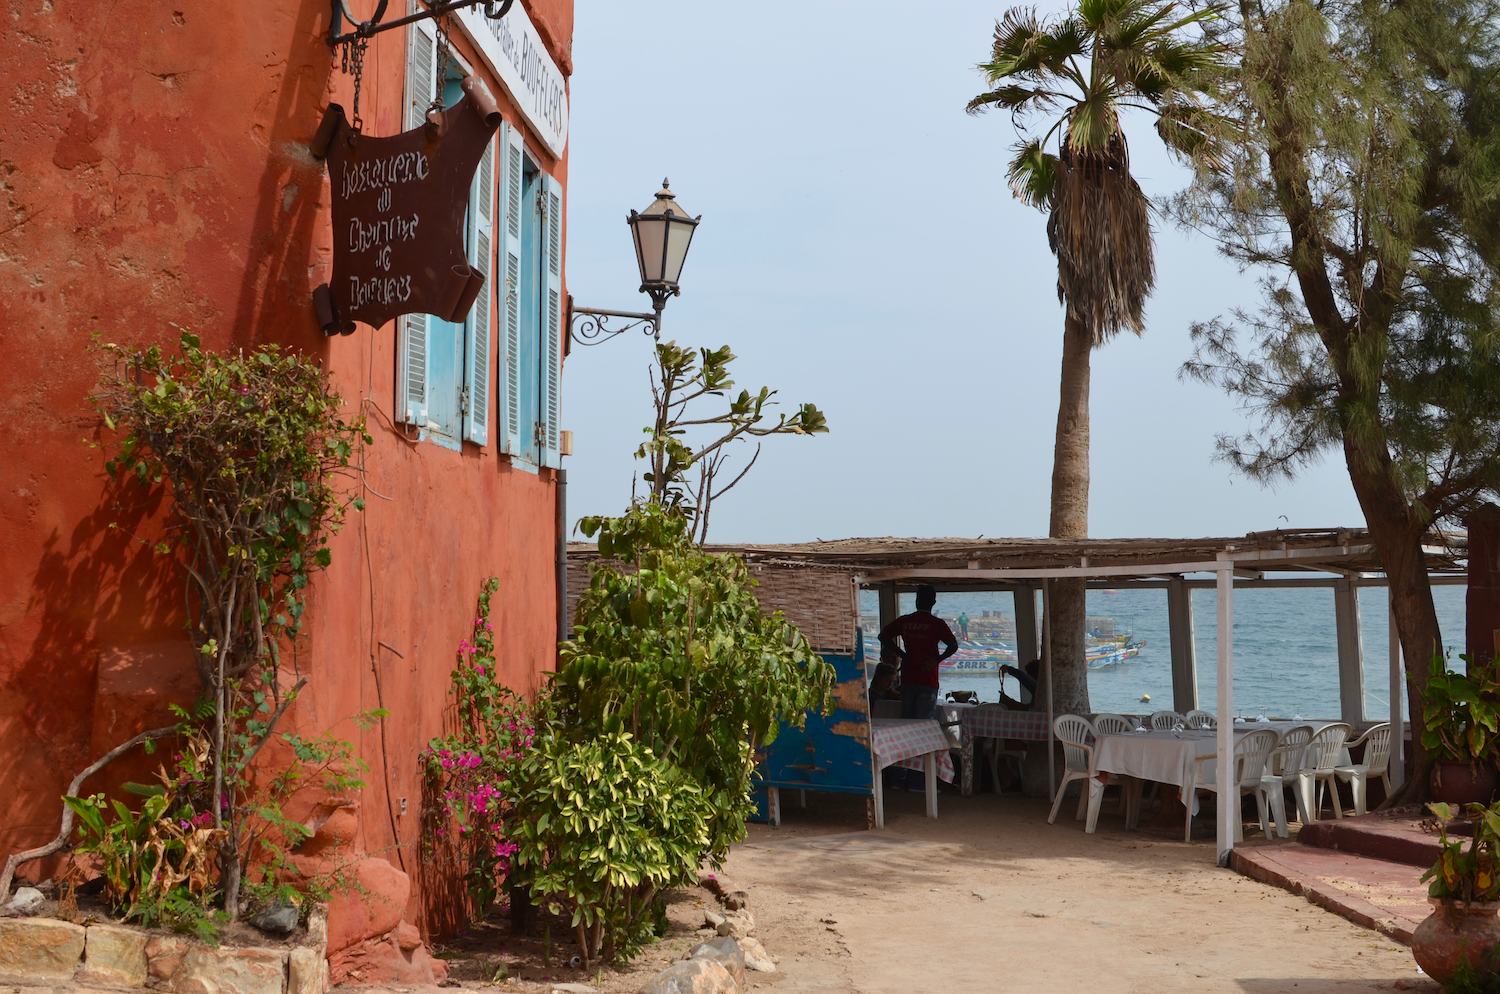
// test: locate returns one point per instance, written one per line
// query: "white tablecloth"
(1167, 758)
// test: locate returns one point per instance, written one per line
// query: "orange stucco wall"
(154, 170)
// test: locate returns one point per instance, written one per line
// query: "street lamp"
(662, 234)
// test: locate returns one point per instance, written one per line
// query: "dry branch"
(67, 814)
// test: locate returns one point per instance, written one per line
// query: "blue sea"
(1285, 647)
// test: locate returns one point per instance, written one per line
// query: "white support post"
(1398, 713)
(1350, 652)
(1229, 798)
(1047, 665)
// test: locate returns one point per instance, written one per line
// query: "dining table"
(991, 721)
(1170, 757)
(911, 743)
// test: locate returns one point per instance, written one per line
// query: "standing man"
(963, 626)
(919, 632)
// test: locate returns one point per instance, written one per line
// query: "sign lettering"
(514, 51)
(398, 214)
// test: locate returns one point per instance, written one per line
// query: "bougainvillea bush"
(473, 771)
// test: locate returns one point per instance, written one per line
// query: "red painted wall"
(154, 169)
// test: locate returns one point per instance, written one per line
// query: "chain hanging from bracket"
(444, 46)
(352, 62)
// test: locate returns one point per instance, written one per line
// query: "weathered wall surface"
(154, 170)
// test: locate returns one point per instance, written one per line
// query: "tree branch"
(28, 855)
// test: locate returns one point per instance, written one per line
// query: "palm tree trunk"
(1070, 519)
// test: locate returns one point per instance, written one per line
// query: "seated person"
(883, 684)
(1028, 680)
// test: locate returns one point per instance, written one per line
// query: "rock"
(407, 937)
(381, 960)
(113, 955)
(40, 947)
(247, 970)
(373, 905)
(738, 924)
(726, 951)
(574, 989)
(317, 930)
(694, 976)
(278, 919)
(755, 955)
(736, 899)
(163, 955)
(712, 919)
(28, 901)
(306, 972)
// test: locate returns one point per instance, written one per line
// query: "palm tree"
(1080, 71)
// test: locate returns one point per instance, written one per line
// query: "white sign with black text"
(515, 52)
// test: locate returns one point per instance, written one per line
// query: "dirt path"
(991, 898)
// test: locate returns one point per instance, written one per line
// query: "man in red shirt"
(920, 633)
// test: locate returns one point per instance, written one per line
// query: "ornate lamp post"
(662, 234)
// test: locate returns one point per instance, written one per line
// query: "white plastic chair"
(1165, 721)
(1249, 764)
(1376, 762)
(1282, 768)
(1078, 736)
(1113, 724)
(1202, 719)
(1318, 765)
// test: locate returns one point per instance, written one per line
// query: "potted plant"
(1462, 719)
(1459, 943)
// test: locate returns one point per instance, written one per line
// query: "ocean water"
(1285, 647)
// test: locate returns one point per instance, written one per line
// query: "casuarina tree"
(1077, 74)
(1366, 192)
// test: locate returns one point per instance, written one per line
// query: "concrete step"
(1396, 836)
(1375, 893)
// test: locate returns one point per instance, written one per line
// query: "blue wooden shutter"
(477, 328)
(411, 330)
(508, 287)
(553, 320)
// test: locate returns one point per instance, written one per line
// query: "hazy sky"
(859, 249)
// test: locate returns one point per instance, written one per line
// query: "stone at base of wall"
(114, 956)
(398, 957)
(40, 947)
(120, 956)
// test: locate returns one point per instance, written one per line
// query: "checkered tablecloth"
(998, 723)
(995, 722)
(904, 741)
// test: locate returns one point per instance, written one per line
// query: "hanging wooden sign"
(398, 215)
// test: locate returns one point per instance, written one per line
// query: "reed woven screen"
(821, 602)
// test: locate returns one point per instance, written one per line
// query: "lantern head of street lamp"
(662, 234)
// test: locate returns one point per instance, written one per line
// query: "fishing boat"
(1104, 653)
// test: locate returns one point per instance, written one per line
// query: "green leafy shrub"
(607, 827)
(1461, 714)
(247, 447)
(1466, 875)
(677, 652)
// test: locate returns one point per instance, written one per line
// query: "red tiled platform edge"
(1380, 895)
(1367, 869)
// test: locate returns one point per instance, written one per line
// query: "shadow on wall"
(108, 658)
(275, 299)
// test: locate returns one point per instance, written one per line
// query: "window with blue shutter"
(411, 330)
(552, 322)
(444, 368)
(476, 408)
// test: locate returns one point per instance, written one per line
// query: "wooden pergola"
(1343, 559)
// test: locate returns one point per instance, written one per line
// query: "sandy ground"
(990, 898)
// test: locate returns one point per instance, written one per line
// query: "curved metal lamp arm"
(590, 325)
